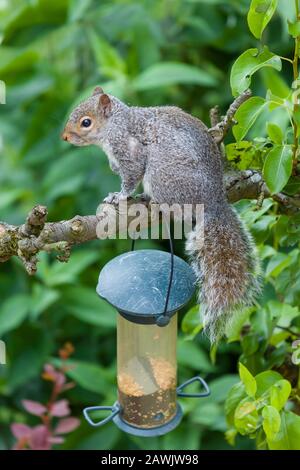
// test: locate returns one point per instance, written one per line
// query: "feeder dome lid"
(136, 284)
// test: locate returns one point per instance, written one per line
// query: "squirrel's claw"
(115, 198)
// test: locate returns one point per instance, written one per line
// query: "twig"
(215, 116)
(220, 130)
(288, 330)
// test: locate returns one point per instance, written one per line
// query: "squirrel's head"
(87, 119)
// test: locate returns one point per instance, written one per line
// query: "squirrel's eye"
(86, 122)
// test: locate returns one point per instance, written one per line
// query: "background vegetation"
(148, 52)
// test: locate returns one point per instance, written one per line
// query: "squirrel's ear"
(97, 91)
(105, 104)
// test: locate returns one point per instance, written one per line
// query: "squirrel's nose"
(64, 136)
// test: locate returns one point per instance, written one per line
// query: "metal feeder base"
(146, 432)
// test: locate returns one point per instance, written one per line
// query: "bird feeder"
(147, 287)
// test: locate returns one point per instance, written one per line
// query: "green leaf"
(13, 312)
(70, 186)
(248, 380)
(296, 357)
(15, 60)
(259, 15)
(246, 417)
(191, 323)
(274, 82)
(280, 393)
(246, 116)
(207, 414)
(29, 355)
(274, 101)
(221, 387)
(293, 186)
(277, 264)
(109, 61)
(271, 422)
(85, 304)
(77, 9)
(65, 273)
(172, 73)
(90, 376)
(233, 330)
(30, 89)
(190, 355)
(242, 155)
(186, 437)
(247, 64)
(283, 313)
(99, 439)
(9, 196)
(42, 298)
(234, 397)
(265, 380)
(230, 436)
(294, 28)
(278, 167)
(250, 343)
(275, 133)
(288, 437)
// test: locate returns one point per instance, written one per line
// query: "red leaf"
(50, 373)
(20, 430)
(56, 440)
(60, 408)
(34, 407)
(68, 386)
(67, 425)
(39, 439)
(60, 379)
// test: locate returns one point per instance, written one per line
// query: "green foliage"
(185, 53)
(294, 28)
(248, 64)
(275, 133)
(255, 407)
(259, 15)
(248, 380)
(278, 167)
(172, 73)
(247, 114)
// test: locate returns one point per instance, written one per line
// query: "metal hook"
(193, 395)
(115, 409)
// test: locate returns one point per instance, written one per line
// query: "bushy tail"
(227, 266)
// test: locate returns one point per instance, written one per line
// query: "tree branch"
(249, 184)
(25, 241)
(220, 129)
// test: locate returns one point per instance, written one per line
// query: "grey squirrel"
(179, 162)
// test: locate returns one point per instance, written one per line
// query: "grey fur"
(178, 162)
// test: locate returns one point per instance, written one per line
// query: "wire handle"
(197, 378)
(164, 319)
(115, 409)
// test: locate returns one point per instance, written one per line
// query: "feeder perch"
(147, 287)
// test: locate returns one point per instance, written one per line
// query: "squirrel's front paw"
(115, 198)
(143, 197)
